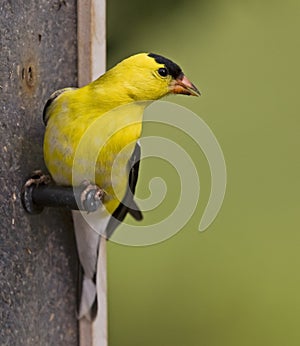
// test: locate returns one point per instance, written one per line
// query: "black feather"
(127, 205)
(173, 69)
(50, 100)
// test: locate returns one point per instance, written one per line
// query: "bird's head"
(148, 76)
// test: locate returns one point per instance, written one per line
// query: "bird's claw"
(38, 177)
(91, 195)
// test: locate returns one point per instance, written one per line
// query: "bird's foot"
(38, 177)
(90, 195)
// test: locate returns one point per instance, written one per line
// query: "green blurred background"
(238, 283)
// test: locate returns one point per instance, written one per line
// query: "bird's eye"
(163, 72)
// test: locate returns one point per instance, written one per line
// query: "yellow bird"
(92, 133)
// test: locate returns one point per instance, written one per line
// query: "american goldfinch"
(71, 113)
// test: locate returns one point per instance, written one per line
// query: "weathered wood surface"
(91, 64)
(38, 261)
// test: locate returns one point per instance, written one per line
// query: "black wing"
(50, 101)
(127, 205)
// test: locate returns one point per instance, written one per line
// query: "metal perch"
(38, 193)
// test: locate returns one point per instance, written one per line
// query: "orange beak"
(182, 85)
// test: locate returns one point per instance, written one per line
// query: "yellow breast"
(89, 143)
